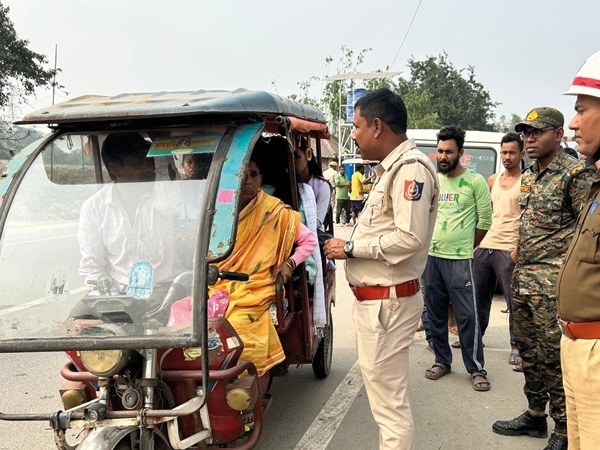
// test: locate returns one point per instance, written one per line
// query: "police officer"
(579, 278)
(553, 191)
(385, 257)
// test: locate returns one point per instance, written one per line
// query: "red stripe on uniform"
(586, 82)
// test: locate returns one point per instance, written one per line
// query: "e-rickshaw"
(135, 378)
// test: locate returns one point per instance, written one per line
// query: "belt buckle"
(561, 327)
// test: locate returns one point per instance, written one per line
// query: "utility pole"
(54, 79)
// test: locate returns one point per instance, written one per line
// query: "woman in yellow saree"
(266, 233)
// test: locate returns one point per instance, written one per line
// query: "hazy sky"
(525, 53)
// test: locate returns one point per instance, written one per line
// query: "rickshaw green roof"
(94, 108)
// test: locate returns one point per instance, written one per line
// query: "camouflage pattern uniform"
(550, 202)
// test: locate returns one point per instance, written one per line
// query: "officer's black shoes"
(557, 442)
(526, 423)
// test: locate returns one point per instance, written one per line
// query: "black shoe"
(526, 423)
(557, 442)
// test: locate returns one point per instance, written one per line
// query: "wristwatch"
(348, 248)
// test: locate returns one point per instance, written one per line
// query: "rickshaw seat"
(283, 292)
(283, 313)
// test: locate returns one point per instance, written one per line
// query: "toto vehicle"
(120, 275)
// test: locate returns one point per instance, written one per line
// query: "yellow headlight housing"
(104, 363)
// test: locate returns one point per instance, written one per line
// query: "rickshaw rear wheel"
(321, 362)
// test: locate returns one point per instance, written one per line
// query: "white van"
(481, 149)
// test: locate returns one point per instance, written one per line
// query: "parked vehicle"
(481, 149)
(147, 367)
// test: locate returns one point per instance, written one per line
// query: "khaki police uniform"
(391, 242)
(550, 202)
(579, 311)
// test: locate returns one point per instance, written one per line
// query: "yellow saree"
(266, 232)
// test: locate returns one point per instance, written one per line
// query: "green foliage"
(436, 93)
(454, 94)
(21, 69)
(335, 93)
(14, 138)
(507, 124)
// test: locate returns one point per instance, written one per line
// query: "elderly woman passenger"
(267, 231)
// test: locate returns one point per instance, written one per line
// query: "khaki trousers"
(384, 330)
(581, 379)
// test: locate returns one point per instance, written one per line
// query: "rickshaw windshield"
(103, 227)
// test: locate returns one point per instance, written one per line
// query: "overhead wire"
(406, 34)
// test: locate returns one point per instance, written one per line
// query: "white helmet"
(587, 80)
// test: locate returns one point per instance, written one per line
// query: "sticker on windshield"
(225, 196)
(140, 280)
(199, 143)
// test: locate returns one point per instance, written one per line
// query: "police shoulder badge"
(413, 190)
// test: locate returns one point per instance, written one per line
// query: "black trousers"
(451, 281)
(491, 267)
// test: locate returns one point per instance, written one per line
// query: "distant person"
(579, 278)
(494, 259)
(464, 216)
(195, 166)
(553, 190)
(189, 165)
(357, 191)
(330, 173)
(342, 198)
(385, 259)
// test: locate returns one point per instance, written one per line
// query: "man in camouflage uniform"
(553, 189)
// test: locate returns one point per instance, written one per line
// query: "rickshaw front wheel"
(321, 362)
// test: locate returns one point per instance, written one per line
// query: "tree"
(21, 72)
(21, 69)
(435, 94)
(454, 94)
(507, 124)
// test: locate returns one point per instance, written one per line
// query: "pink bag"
(218, 303)
(181, 310)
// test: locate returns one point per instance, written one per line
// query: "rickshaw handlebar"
(236, 276)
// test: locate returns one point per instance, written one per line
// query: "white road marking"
(37, 302)
(323, 428)
(35, 241)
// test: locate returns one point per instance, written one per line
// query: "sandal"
(455, 344)
(519, 366)
(483, 384)
(514, 358)
(420, 326)
(437, 371)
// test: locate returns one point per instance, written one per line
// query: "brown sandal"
(483, 384)
(437, 371)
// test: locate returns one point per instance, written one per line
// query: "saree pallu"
(267, 229)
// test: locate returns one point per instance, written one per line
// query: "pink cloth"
(306, 241)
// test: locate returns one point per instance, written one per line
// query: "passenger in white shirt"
(129, 222)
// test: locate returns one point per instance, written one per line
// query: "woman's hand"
(285, 269)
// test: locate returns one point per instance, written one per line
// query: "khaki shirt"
(391, 247)
(579, 279)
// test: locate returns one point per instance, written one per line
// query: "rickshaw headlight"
(104, 363)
